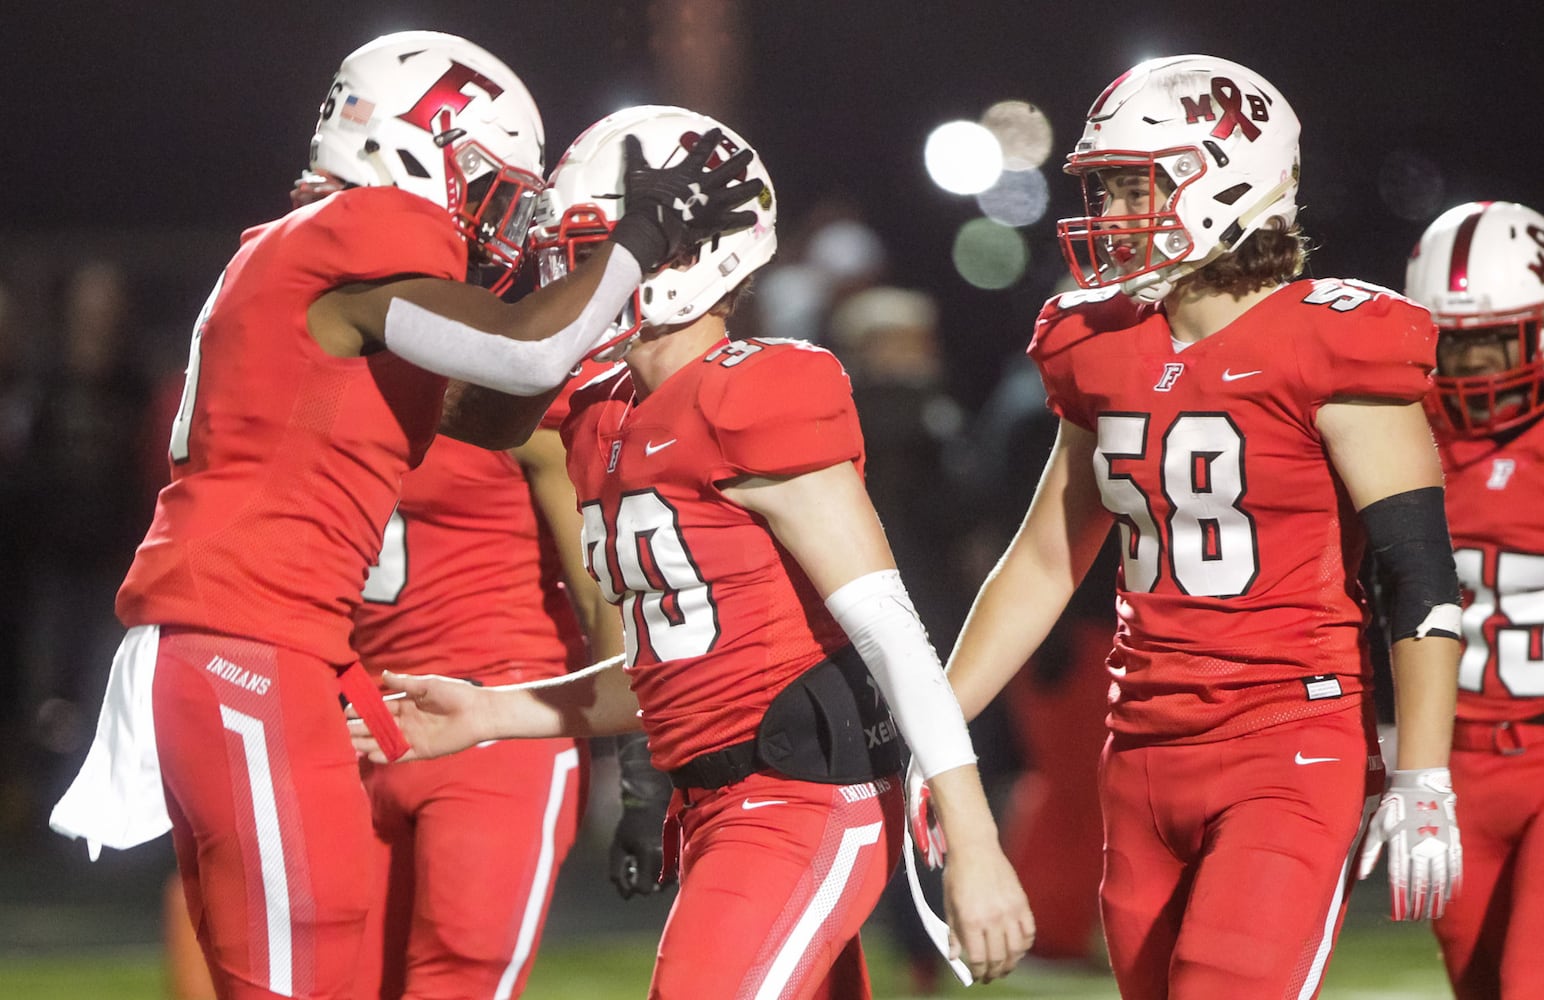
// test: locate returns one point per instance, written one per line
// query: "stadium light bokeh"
(963, 157)
(990, 255)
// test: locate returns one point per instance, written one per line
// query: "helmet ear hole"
(411, 165)
(1230, 195)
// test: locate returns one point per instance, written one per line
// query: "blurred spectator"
(840, 256)
(16, 405)
(888, 340)
(84, 506)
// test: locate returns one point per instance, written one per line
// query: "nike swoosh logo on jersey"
(1228, 376)
(649, 447)
(1312, 760)
(759, 803)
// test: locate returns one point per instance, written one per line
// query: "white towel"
(117, 798)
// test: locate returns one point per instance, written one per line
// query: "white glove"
(925, 831)
(1417, 820)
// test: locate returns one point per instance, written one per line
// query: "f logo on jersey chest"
(1171, 373)
(1501, 473)
(616, 453)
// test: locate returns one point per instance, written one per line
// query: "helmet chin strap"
(1149, 288)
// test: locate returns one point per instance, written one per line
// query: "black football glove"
(637, 848)
(670, 211)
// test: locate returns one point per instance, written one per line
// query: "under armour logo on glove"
(1418, 821)
(670, 211)
(685, 207)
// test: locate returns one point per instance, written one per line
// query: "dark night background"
(179, 116)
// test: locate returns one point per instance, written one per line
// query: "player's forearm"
(1425, 697)
(534, 344)
(591, 702)
(490, 419)
(1011, 616)
(960, 804)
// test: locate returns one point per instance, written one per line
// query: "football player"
(479, 577)
(1480, 269)
(724, 509)
(1247, 433)
(317, 377)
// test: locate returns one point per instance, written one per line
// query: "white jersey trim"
(563, 765)
(823, 902)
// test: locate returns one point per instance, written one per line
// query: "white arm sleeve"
(877, 614)
(516, 367)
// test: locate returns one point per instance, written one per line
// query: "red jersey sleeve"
(1362, 340)
(785, 410)
(366, 234)
(1065, 322)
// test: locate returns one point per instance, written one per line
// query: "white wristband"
(517, 367)
(877, 614)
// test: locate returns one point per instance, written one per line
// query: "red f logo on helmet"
(449, 92)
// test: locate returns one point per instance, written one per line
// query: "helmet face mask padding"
(435, 115)
(584, 199)
(1479, 268)
(1223, 138)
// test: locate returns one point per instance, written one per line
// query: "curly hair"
(1268, 256)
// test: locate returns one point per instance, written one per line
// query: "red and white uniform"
(1238, 651)
(286, 466)
(1490, 929)
(777, 875)
(468, 585)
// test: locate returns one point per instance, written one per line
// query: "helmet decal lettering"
(726, 148)
(1537, 267)
(1231, 99)
(448, 93)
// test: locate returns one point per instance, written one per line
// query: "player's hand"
(1418, 822)
(990, 923)
(311, 186)
(669, 211)
(637, 850)
(926, 834)
(438, 715)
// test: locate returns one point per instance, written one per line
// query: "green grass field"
(1373, 962)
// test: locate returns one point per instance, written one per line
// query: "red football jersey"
(1493, 490)
(1238, 604)
(286, 461)
(718, 617)
(468, 583)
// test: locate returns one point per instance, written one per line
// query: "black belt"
(718, 767)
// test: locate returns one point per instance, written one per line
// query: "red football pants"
(469, 848)
(1492, 931)
(777, 877)
(269, 820)
(1227, 864)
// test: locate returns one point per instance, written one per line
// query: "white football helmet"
(1214, 134)
(584, 199)
(1479, 268)
(438, 116)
